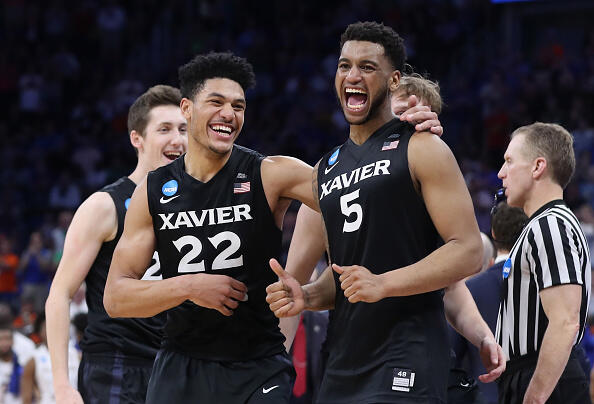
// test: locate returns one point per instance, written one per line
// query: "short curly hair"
(378, 33)
(194, 74)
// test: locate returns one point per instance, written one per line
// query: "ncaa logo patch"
(333, 157)
(127, 203)
(507, 268)
(169, 188)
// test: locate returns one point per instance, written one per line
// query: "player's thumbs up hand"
(284, 297)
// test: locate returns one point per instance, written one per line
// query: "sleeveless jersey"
(225, 227)
(136, 337)
(375, 218)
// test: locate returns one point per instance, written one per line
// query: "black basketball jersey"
(375, 218)
(133, 337)
(224, 226)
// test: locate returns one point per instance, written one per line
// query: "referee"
(546, 279)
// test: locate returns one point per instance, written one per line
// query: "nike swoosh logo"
(163, 200)
(464, 384)
(328, 169)
(268, 390)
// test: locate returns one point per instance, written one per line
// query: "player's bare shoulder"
(429, 155)
(98, 214)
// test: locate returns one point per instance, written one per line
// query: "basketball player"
(386, 198)
(117, 354)
(214, 216)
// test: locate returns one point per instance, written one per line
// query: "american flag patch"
(241, 187)
(390, 145)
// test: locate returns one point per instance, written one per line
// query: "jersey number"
(221, 261)
(348, 210)
(153, 272)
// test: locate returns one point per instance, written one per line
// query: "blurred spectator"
(22, 345)
(58, 234)
(64, 194)
(34, 268)
(37, 381)
(9, 262)
(10, 369)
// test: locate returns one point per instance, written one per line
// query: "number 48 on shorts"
(403, 379)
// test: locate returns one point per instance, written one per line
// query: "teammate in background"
(506, 225)
(546, 286)
(37, 374)
(386, 197)
(308, 239)
(114, 350)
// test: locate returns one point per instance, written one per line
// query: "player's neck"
(360, 133)
(203, 164)
(541, 195)
(138, 174)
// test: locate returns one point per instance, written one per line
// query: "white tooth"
(355, 90)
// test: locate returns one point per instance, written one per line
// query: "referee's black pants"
(572, 388)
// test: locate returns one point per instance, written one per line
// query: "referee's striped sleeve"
(555, 252)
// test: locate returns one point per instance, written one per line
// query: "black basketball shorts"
(179, 378)
(113, 378)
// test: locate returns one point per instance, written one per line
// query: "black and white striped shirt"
(552, 250)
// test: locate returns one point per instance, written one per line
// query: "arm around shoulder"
(288, 177)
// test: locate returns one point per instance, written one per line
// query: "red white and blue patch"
(241, 187)
(390, 145)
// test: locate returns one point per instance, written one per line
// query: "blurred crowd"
(69, 71)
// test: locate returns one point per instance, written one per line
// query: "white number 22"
(221, 261)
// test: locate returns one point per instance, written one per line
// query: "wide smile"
(172, 155)
(355, 99)
(221, 130)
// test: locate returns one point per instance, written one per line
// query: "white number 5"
(347, 210)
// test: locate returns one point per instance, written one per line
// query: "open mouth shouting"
(356, 99)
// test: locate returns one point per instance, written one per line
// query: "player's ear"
(394, 80)
(186, 108)
(136, 139)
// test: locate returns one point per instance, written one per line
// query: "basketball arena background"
(69, 70)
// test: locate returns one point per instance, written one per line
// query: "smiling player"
(113, 349)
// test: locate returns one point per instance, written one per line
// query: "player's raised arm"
(93, 224)
(131, 258)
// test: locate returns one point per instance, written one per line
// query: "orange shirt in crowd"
(8, 266)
